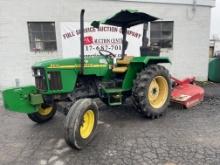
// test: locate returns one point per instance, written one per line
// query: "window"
(42, 36)
(161, 34)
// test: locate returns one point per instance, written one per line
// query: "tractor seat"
(122, 64)
(120, 69)
(125, 61)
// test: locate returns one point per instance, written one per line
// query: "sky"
(215, 20)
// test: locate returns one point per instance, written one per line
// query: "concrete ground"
(124, 137)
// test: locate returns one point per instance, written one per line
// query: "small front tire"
(44, 114)
(80, 123)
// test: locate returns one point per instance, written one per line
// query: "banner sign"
(104, 38)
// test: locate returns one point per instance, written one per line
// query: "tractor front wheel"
(44, 114)
(152, 90)
(81, 122)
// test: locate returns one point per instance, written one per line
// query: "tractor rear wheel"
(80, 123)
(152, 90)
(44, 114)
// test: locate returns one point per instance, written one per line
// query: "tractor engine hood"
(71, 63)
(56, 62)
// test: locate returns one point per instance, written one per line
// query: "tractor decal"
(76, 66)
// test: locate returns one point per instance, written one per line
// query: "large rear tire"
(151, 91)
(44, 114)
(80, 124)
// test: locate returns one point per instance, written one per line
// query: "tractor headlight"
(33, 74)
(38, 73)
(48, 76)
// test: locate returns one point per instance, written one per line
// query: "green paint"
(68, 79)
(114, 96)
(150, 59)
(136, 65)
(26, 99)
(69, 69)
(65, 72)
(133, 69)
(21, 99)
(113, 90)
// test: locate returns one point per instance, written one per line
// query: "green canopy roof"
(126, 19)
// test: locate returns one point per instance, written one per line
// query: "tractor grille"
(40, 79)
(55, 82)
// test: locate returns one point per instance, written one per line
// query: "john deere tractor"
(73, 84)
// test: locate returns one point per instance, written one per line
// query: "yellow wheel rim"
(45, 111)
(158, 92)
(87, 125)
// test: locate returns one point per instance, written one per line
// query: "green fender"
(150, 60)
(136, 65)
(22, 99)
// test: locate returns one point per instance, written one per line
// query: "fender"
(137, 64)
(150, 60)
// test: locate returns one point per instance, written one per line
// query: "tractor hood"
(126, 19)
(56, 62)
(72, 63)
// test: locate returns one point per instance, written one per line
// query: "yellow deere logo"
(56, 66)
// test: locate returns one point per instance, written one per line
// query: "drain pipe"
(17, 82)
(194, 6)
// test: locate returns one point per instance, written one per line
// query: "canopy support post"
(145, 40)
(124, 42)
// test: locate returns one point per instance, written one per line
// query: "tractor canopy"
(126, 19)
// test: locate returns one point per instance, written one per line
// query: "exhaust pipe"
(82, 41)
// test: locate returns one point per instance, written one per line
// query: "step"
(114, 96)
(113, 90)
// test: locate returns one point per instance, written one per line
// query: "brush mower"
(72, 83)
(186, 93)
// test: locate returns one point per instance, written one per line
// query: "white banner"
(106, 37)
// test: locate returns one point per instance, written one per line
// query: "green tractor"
(73, 84)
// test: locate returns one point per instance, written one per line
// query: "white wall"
(191, 33)
(217, 46)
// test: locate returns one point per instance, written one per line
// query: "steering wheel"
(103, 53)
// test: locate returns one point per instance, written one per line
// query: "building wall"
(191, 33)
(217, 46)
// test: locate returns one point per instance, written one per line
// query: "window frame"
(42, 31)
(161, 31)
